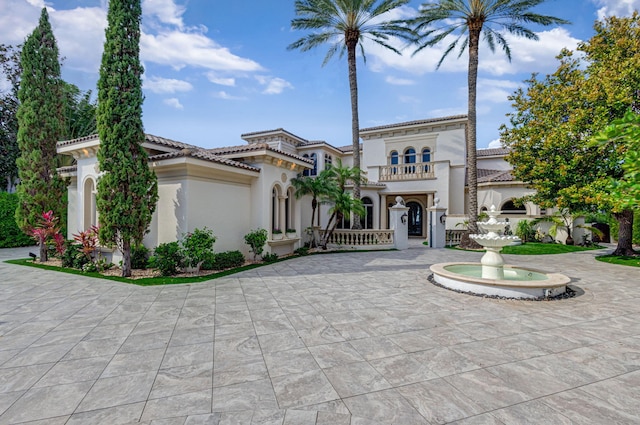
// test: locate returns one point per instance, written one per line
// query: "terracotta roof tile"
(230, 150)
(494, 176)
(148, 138)
(492, 152)
(204, 155)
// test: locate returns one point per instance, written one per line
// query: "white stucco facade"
(233, 190)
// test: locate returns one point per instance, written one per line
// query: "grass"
(538, 248)
(620, 259)
(168, 280)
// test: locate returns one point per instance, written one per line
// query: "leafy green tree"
(344, 25)
(256, 240)
(555, 118)
(197, 247)
(40, 126)
(10, 71)
(80, 112)
(468, 19)
(127, 188)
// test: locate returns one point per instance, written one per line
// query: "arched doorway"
(416, 217)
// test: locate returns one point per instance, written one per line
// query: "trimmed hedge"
(10, 234)
(224, 260)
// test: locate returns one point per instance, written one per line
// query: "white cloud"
(226, 96)
(496, 143)
(166, 11)
(173, 102)
(495, 91)
(166, 85)
(409, 100)
(399, 81)
(179, 49)
(37, 3)
(80, 36)
(616, 7)
(525, 54)
(447, 112)
(274, 85)
(223, 81)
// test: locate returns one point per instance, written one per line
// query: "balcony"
(402, 172)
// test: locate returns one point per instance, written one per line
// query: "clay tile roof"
(417, 122)
(495, 176)
(230, 150)
(255, 133)
(204, 155)
(78, 140)
(492, 152)
(348, 148)
(68, 169)
(148, 138)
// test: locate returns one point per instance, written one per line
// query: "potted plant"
(276, 234)
(291, 233)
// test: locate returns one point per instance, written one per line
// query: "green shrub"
(169, 258)
(269, 258)
(10, 234)
(197, 247)
(525, 231)
(139, 257)
(303, 250)
(256, 240)
(227, 260)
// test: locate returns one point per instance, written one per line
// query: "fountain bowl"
(518, 282)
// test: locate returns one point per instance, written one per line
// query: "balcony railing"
(415, 171)
(362, 239)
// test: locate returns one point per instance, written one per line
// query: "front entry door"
(415, 219)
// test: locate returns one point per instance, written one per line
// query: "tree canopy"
(555, 118)
(127, 188)
(40, 125)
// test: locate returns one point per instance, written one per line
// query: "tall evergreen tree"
(127, 188)
(10, 71)
(40, 126)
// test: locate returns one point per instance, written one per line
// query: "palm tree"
(318, 187)
(345, 24)
(343, 204)
(468, 19)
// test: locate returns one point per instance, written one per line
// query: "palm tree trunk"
(625, 233)
(355, 121)
(472, 169)
(325, 240)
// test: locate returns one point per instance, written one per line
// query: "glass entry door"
(416, 216)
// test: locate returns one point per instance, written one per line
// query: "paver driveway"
(359, 338)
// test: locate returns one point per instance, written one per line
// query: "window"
(367, 221)
(426, 155)
(314, 170)
(289, 217)
(510, 208)
(410, 158)
(274, 209)
(328, 160)
(393, 157)
(306, 171)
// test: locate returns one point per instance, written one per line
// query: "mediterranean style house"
(236, 189)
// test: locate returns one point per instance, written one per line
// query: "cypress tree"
(40, 125)
(127, 188)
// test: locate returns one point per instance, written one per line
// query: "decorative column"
(282, 224)
(437, 225)
(398, 219)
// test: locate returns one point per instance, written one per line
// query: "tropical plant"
(40, 126)
(468, 19)
(197, 247)
(318, 187)
(256, 240)
(525, 231)
(87, 241)
(46, 230)
(555, 119)
(564, 220)
(127, 187)
(343, 205)
(344, 25)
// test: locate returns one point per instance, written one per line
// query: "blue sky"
(216, 69)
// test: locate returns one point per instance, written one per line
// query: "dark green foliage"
(269, 257)
(40, 126)
(10, 70)
(197, 246)
(73, 256)
(127, 189)
(10, 234)
(525, 231)
(168, 258)
(303, 250)
(139, 257)
(80, 112)
(256, 240)
(224, 260)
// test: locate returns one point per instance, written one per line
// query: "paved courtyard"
(358, 338)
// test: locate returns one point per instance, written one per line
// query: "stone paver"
(357, 338)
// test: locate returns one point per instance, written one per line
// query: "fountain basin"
(518, 282)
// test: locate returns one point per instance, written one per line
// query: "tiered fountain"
(492, 277)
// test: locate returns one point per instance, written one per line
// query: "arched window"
(367, 221)
(314, 170)
(275, 210)
(393, 158)
(426, 155)
(328, 161)
(90, 214)
(510, 208)
(410, 158)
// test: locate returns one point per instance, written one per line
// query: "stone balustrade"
(415, 171)
(363, 239)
